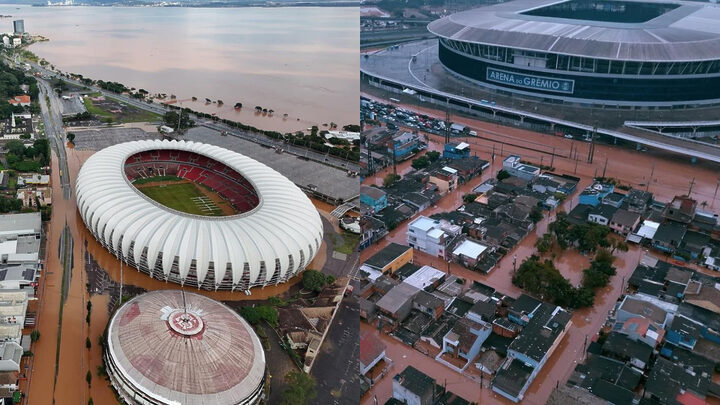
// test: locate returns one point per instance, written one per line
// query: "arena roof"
(688, 33)
(184, 348)
(284, 227)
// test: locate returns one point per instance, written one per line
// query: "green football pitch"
(184, 197)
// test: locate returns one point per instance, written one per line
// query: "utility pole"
(605, 168)
(591, 150)
(692, 183)
(652, 171)
(447, 123)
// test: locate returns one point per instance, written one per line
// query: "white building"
(10, 354)
(431, 236)
(16, 42)
(33, 179)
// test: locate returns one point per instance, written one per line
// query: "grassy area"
(346, 242)
(128, 114)
(176, 196)
(156, 178)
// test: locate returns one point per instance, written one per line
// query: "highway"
(54, 131)
(161, 109)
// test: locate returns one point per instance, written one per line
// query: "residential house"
(684, 332)
(22, 100)
(404, 145)
(671, 383)
(469, 253)
(594, 194)
(10, 355)
(465, 339)
(601, 214)
(372, 351)
(632, 307)
(681, 209)
(633, 352)
(397, 303)
(413, 387)
(468, 168)
(523, 309)
(429, 304)
(669, 236)
(445, 178)
(426, 277)
(530, 350)
(456, 150)
(614, 199)
(431, 236)
(641, 329)
(624, 222)
(514, 167)
(374, 198)
(390, 258)
(483, 311)
(372, 230)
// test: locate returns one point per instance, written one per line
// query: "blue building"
(594, 194)
(684, 332)
(456, 150)
(374, 198)
(404, 145)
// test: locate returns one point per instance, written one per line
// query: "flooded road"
(672, 176)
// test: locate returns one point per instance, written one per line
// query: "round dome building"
(174, 347)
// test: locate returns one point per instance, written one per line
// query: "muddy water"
(75, 359)
(630, 167)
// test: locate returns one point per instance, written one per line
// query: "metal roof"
(214, 358)
(687, 33)
(284, 224)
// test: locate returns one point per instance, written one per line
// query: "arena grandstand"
(619, 53)
(197, 214)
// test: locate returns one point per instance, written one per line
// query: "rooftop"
(387, 255)
(415, 380)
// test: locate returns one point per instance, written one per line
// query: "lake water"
(297, 61)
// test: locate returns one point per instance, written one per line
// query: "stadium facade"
(274, 234)
(174, 347)
(594, 52)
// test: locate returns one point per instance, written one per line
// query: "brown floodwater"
(297, 61)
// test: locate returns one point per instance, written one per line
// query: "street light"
(515, 262)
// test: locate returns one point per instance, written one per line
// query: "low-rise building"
(404, 145)
(372, 351)
(669, 236)
(431, 236)
(456, 150)
(397, 303)
(445, 178)
(602, 214)
(681, 209)
(624, 222)
(374, 198)
(21, 100)
(469, 253)
(413, 387)
(594, 194)
(465, 338)
(390, 258)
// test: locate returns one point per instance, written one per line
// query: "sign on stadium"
(530, 81)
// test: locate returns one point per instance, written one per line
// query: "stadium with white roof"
(597, 52)
(174, 347)
(259, 228)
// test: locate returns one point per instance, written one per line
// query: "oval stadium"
(197, 214)
(606, 52)
(174, 347)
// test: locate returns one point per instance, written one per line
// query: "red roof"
(24, 99)
(688, 398)
(371, 347)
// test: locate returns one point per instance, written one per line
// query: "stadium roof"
(214, 358)
(284, 226)
(688, 33)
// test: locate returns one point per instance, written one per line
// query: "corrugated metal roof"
(690, 32)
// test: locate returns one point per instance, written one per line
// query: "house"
(641, 329)
(426, 277)
(632, 307)
(684, 332)
(638, 200)
(624, 222)
(530, 350)
(668, 236)
(446, 179)
(465, 339)
(601, 214)
(694, 243)
(404, 145)
(514, 167)
(469, 253)
(372, 351)
(390, 258)
(670, 383)
(373, 197)
(431, 236)
(681, 209)
(523, 309)
(545, 184)
(10, 354)
(468, 167)
(372, 230)
(456, 150)
(21, 100)
(594, 194)
(614, 199)
(397, 303)
(633, 352)
(413, 387)
(429, 304)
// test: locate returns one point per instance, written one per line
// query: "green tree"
(88, 377)
(314, 280)
(469, 197)
(71, 136)
(300, 389)
(390, 179)
(34, 335)
(544, 243)
(88, 344)
(536, 215)
(433, 156)
(502, 175)
(420, 163)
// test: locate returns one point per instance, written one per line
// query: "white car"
(568, 136)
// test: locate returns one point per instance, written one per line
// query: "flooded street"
(672, 176)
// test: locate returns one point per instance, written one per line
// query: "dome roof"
(270, 243)
(184, 348)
